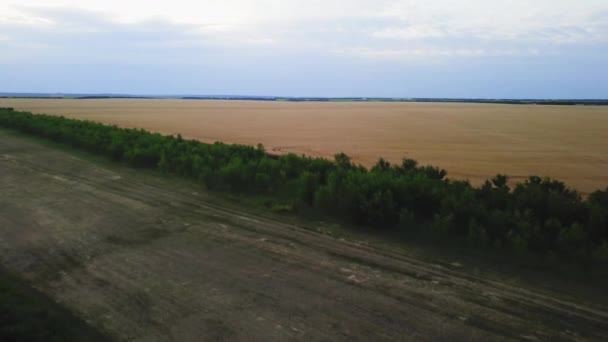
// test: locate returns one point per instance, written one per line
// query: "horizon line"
(270, 97)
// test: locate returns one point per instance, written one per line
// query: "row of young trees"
(539, 215)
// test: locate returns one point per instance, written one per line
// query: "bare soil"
(143, 257)
(471, 141)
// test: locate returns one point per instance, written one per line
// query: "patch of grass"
(281, 208)
(27, 314)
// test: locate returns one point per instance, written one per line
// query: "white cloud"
(376, 29)
(411, 33)
(424, 53)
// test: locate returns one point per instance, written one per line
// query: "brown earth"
(144, 257)
(471, 141)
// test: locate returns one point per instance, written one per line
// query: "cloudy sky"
(396, 48)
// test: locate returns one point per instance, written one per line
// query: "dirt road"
(147, 258)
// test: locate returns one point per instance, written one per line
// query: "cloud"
(418, 54)
(438, 29)
(300, 42)
(411, 32)
(72, 35)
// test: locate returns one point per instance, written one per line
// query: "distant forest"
(541, 216)
(560, 102)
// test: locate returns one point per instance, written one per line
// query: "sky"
(367, 48)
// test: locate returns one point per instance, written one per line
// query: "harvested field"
(144, 257)
(471, 141)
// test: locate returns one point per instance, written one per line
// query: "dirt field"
(149, 258)
(473, 141)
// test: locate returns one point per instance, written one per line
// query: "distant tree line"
(541, 215)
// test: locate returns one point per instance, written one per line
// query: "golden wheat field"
(471, 141)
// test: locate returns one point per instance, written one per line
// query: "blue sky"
(441, 48)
